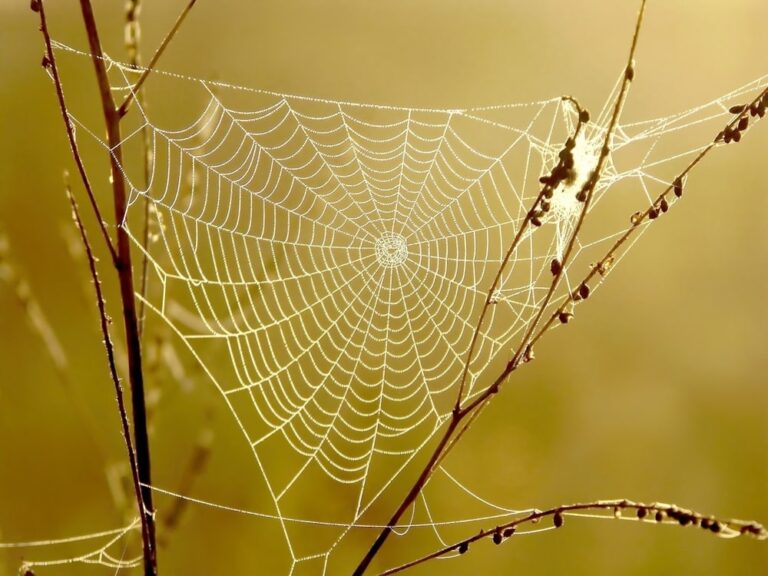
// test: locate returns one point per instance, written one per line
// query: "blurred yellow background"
(658, 392)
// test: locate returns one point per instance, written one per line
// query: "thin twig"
(104, 322)
(530, 216)
(121, 259)
(651, 513)
(49, 63)
(133, 47)
(123, 109)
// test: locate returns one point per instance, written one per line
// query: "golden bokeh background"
(658, 392)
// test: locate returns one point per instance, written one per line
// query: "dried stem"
(124, 268)
(104, 322)
(546, 191)
(121, 254)
(133, 47)
(459, 412)
(654, 513)
(123, 109)
(49, 63)
(663, 202)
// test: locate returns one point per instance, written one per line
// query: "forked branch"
(120, 253)
(104, 322)
(461, 412)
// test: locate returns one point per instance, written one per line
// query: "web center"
(391, 250)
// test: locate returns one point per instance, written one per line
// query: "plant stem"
(459, 412)
(124, 270)
(110, 351)
(121, 259)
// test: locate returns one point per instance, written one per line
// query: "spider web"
(326, 263)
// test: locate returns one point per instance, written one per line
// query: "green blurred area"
(657, 392)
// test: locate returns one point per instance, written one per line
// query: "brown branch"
(459, 412)
(655, 513)
(123, 109)
(538, 207)
(124, 268)
(104, 322)
(121, 259)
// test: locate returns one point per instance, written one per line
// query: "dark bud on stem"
(509, 531)
(557, 519)
(535, 221)
(34, 5)
(738, 109)
(564, 317)
(555, 267)
(664, 205)
(630, 72)
(653, 213)
(715, 527)
(463, 547)
(659, 516)
(642, 513)
(497, 537)
(743, 123)
(677, 186)
(584, 291)
(584, 116)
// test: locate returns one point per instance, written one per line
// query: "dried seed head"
(677, 185)
(743, 123)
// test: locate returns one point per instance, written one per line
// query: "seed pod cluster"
(755, 110)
